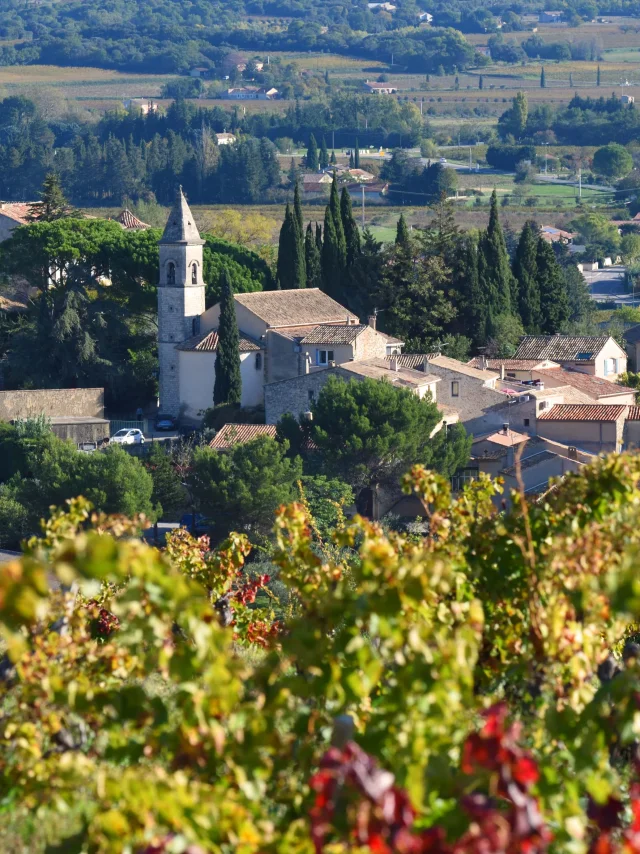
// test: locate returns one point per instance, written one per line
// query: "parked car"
(87, 447)
(443, 160)
(165, 422)
(196, 523)
(128, 437)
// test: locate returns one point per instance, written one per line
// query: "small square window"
(526, 422)
(542, 405)
(312, 395)
(455, 388)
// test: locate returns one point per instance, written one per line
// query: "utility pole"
(580, 182)
(362, 188)
(333, 140)
(470, 166)
(421, 103)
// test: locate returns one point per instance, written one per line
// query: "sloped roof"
(333, 334)
(561, 347)
(594, 387)
(181, 226)
(583, 412)
(296, 307)
(505, 440)
(379, 369)
(234, 434)
(530, 462)
(508, 364)
(632, 335)
(411, 360)
(454, 365)
(633, 413)
(130, 221)
(207, 342)
(17, 211)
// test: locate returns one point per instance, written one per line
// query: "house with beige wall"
(594, 387)
(600, 355)
(598, 428)
(632, 346)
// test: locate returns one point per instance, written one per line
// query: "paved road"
(608, 284)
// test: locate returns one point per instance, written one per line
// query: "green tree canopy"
(612, 161)
(53, 204)
(525, 270)
(227, 387)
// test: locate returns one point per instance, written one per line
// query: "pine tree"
(312, 259)
(53, 204)
(402, 232)
(293, 173)
(350, 226)
(598, 77)
(168, 494)
(356, 155)
(336, 215)
(312, 154)
(290, 271)
(331, 265)
(543, 80)
(297, 209)
(324, 154)
(494, 271)
(334, 159)
(554, 303)
(480, 82)
(227, 387)
(525, 270)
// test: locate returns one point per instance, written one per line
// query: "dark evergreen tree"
(297, 209)
(350, 226)
(356, 155)
(324, 154)
(473, 311)
(543, 80)
(334, 159)
(525, 270)
(312, 259)
(319, 237)
(352, 162)
(480, 82)
(442, 236)
(331, 262)
(53, 204)
(336, 215)
(494, 271)
(227, 387)
(554, 303)
(598, 77)
(312, 154)
(402, 232)
(290, 271)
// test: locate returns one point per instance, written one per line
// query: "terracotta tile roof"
(130, 222)
(389, 338)
(489, 455)
(297, 307)
(413, 360)
(530, 462)
(207, 342)
(234, 434)
(506, 440)
(561, 347)
(633, 413)
(583, 412)
(457, 367)
(594, 387)
(17, 211)
(334, 334)
(379, 369)
(509, 364)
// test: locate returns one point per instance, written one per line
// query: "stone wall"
(295, 395)
(82, 430)
(53, 403)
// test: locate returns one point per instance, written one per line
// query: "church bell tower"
(180, 297)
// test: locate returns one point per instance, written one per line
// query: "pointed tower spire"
(181, 226)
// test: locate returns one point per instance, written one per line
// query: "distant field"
(331, 62)
(612, 35)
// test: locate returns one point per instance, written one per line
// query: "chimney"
(483, 363)
(425, 364)
(394, 363)
(372, 320)
(502, 370)
(505, 429)
(307, 362)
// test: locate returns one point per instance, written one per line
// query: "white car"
(443, 160)
(128, 437)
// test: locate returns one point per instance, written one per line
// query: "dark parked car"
(196, 523)
(166, 422)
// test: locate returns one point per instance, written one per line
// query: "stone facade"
(52, 403)
(181, 298)
(79, 430)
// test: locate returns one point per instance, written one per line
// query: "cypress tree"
(402, 232)
(227, 387)
(350, 226)
(598, 77)
(480, 82)
(312, 259)
(494, 271)
(334, 159)
(336, 215)
(356, 156)
(324, 154)
(330, 259)
(290, 271)
(319, 237)
(473, 313)
(297, 209)
(352, 163)
(312, 154)
(554, 303)
(543, 80)
(525, 270)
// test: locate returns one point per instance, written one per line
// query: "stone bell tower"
(180, 297)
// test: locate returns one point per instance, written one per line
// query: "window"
(171, 273)
(610, 367)
(258, 361)
(542, 405)
(526, 422)
(511, 375)
(312, 395)
(194, 274)
(195, 325)
(455, 388)
(323, 357)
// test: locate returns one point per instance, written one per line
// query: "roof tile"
(207, 342)
(561, 347)
(594, 387)
(234, 434)
(297, 307)
(583, 412)
(332, 334)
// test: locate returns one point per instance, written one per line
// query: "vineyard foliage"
(473, 690)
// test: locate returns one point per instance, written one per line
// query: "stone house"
(12, 215)
(511, 369)
(596, 428)
(596, 388)
(380, 88)
(600, 355)
(74, 413)
(237, 434)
